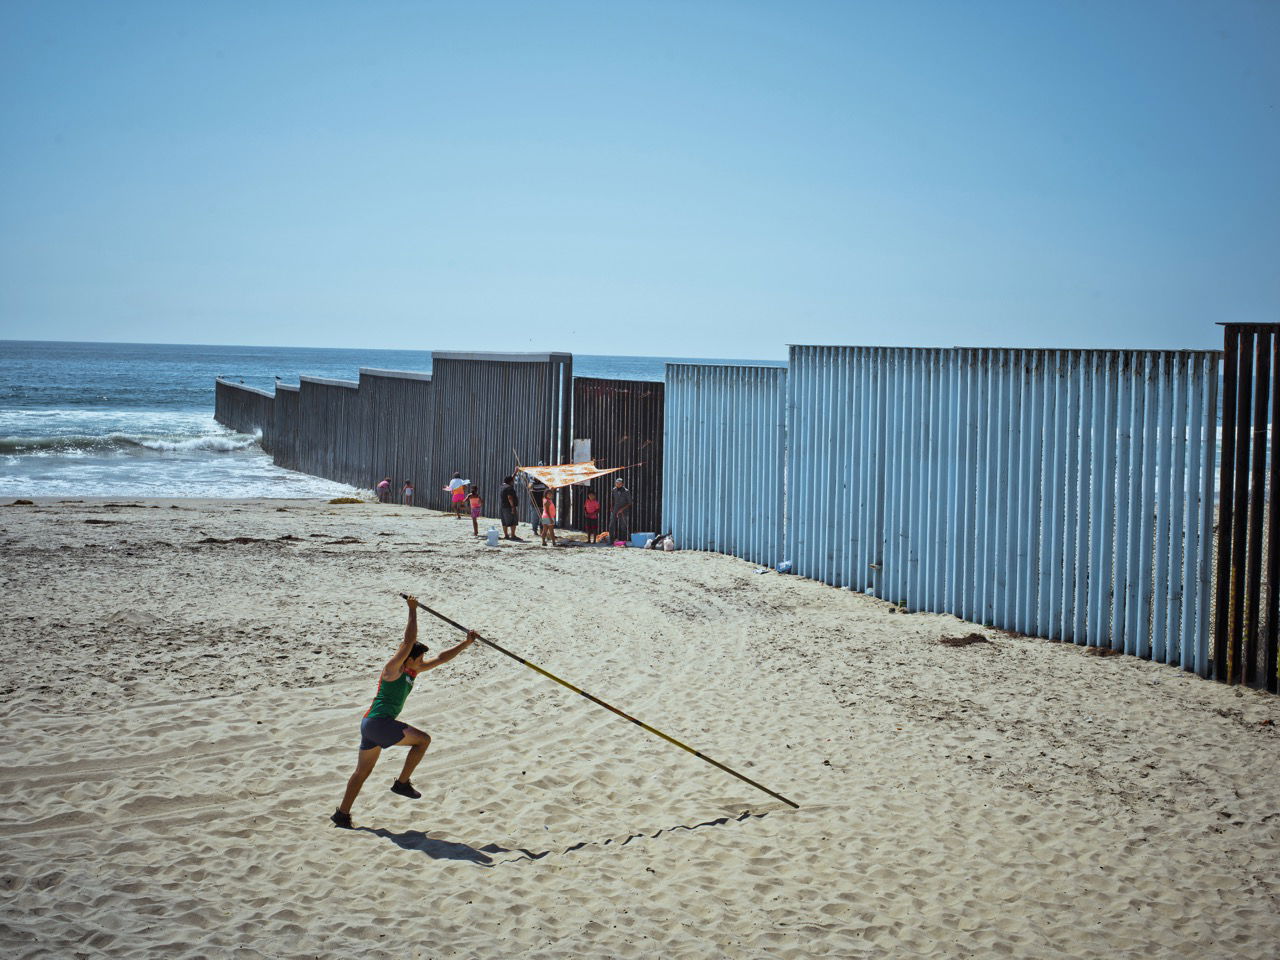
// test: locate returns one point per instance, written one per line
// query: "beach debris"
(21, 503)
(1101, 652)
(760, 570)
(232, 540)
(967, 640)
(784, 566)
(103, 522)
(346, 500)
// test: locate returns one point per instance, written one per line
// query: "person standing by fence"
(508, 503)
(406, 495)
(548, 525)
(537, 492)
(384, 490)
(591, 516)
(475, 504)
(457, 489)
(620, 512)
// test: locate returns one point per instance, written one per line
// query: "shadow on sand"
(435, 849)
(451, 850)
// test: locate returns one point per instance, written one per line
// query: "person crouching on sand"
(380, 728)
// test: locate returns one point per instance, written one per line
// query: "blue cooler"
(640, 539)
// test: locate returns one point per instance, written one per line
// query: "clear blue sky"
(659, 178)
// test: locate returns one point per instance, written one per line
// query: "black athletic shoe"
(405, 789)
(341, 819)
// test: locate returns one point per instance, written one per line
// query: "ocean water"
(136, 420)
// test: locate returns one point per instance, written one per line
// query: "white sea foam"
(140, 453)
(214, 444)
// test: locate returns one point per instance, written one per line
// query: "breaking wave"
(126, 443)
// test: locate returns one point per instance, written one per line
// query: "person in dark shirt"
(620, 511)
(537, 490)
(508, 504)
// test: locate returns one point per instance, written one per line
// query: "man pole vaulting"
(380, 728)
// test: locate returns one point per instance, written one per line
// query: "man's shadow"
(451, 850)
(436, 849)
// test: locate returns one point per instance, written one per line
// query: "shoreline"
(1013, 795)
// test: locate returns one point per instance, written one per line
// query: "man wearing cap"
(620, 511)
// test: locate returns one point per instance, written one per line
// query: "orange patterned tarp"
(565, 474)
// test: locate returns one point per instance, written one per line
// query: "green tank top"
(391, 695)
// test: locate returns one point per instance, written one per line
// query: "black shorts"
(508, 517)
(381, 732)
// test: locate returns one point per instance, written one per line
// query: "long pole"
(625, 716)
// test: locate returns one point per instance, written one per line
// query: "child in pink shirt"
(548, 525)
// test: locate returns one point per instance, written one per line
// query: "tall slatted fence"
(1248, 572)
(333, 431)
(723, 459)
(487, 410)
(244, 409)
(623, 420)
(1065, 494)
(286, 427)
(398, 406)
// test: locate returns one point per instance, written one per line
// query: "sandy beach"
(183, 682)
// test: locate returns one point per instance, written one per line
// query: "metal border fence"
(399, 410)
(286, 419)
(490, 408)
(1066, 494)
(1062, 493)
(244, 409)
(1248, 572)
(333, 435)
(623, 419)
(724, 459)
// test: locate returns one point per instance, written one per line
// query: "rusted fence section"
(490, 409)
(1248, 569)
(1065, 494)
(244, 409)
(724, 459)
(287, 419)
(398, 407)
(333, 436)
(621, 423)
(475, 414)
